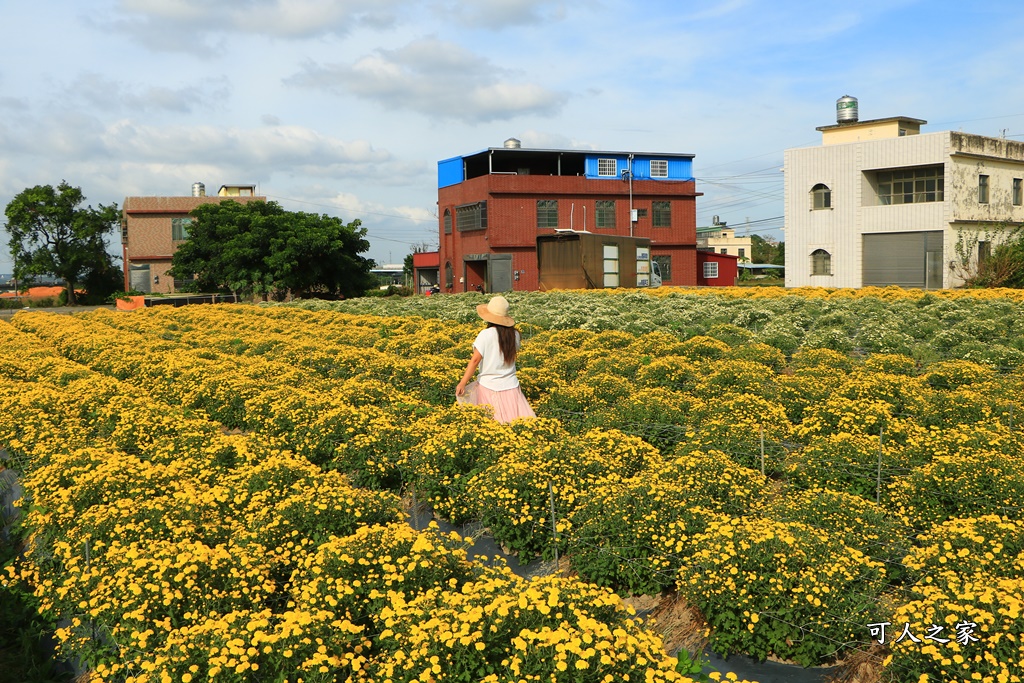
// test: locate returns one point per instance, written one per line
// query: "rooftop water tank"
(198, 190)
(846, 109)
(512, 143)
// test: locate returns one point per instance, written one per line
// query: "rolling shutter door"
(902, 259)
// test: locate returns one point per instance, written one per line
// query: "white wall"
(854, 211)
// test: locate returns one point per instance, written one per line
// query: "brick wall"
(512, 220)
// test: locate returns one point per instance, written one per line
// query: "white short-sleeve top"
(494, 373)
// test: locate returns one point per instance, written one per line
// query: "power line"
(345, 208)
(407, 242)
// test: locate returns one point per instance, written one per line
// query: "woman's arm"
(468, 374)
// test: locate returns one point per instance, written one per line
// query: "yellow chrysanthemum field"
(824, 477)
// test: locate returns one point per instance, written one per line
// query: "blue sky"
(344, 107)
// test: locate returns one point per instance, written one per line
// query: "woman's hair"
(506, 342)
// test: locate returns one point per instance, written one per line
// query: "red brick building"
(153, 227)
(493, 204)
(426, 269)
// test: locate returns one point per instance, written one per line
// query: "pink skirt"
(508, 405)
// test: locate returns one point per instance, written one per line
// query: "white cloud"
(546, 140)
(435, 78)
(106, 94)
(13, 103)
(263, 149)
(502, 14)
(190, 25)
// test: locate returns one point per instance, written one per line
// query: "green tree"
(407, 268)
(990, 258)
(52, 234)
(767, 250)
(258, 248)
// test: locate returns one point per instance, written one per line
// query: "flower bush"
(632, 536)
(272, 445)
(783, 589)
(514, 497)
(959, 486)
(503, 628)
(988, 609)
(990, 543)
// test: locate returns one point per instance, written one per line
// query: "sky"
(344, 107)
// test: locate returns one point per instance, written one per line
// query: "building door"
(476, 275)
(905, 259)
(500, 268)
(610, 252)
(138, 278)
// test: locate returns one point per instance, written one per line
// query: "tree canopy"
(258, 248)
(51, 234)
(767, 250)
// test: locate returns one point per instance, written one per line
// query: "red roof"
(426, 259)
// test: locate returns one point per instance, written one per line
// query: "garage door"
(906, 259)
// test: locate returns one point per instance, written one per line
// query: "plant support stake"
(878, 483)
(554, 524)
(762, 450)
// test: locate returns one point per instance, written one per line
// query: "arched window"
(448, 279)
(447, 221)
(821, 197)
(821, 262)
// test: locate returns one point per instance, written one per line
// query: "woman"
(494, 352)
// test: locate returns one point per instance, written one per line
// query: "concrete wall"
(854, 209)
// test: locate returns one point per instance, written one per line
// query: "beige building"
(880, 203)
(153, 227)
(722, 239)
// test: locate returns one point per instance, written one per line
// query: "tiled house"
(153, 227)
(493, 204)
(880, 203)
(723, 239)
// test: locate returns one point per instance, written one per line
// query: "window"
(179, 229)
(983, 189)
(245, 192)
(723, 250)
(821, 197)
(607, 167)
(710, 270)
(611, 265)
(547, 213)
(449, 279)
(471, 216)
(664, 267)
(447, 221)
(742, 252)
(662, 212)
(180, 285)
(1018, 191)
(821, 262)
(604, 216)
(984, 251)
(641, 213)
(911, 185)
(659, 168)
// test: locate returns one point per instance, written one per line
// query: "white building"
(880, 203)
(723, 239)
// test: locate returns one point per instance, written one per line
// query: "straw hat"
(496, 311)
